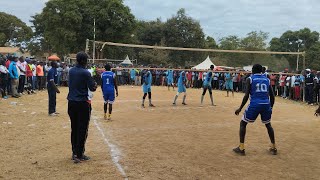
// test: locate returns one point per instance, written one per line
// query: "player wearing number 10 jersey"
(261, 103)
(108, 85)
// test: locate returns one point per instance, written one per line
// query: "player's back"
(259, 89)
(170, 74)
(108, 82)
(181, 79)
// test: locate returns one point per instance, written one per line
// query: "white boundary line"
(115, 153)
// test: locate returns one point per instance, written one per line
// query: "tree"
(66, 24)
(183, 31)
(294, 41)
(150, 33)
(13, 32)
(155, 56)
(254, 41)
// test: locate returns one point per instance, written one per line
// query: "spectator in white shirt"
(22, 65)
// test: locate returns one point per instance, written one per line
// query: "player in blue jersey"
(132, 76)
(181, 88)
(108, 85)
(146, 87)
(261, 102)
(170, 79)
(207, 85)
(229, 83)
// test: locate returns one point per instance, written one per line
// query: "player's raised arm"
(246, 96)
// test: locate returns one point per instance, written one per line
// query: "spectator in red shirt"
(273, 80)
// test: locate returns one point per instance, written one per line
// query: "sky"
(218, 18)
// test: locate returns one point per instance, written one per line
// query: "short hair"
(256, 69)
(82, 58)
(264, 69)
(107, 67)
(53, 63)
(212, 66)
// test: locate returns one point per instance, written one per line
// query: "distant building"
(16, 51)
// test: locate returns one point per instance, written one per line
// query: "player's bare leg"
(184, 99)
(143, 99)
(110, 111)
(150, 103)
(105, 107)
(242, 134)
(273, 150)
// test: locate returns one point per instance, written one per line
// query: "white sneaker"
(53, 114)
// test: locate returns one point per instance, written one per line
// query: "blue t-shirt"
(107, 82)
(259, 92)
(228, 77)
(147, 79)
(208, 79)
(52, 76)
(170, 74)
(132, 73)
(182, 79)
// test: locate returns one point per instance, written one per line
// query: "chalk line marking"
(115, 152)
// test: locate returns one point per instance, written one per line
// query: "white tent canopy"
(126, 61)
(204, 65)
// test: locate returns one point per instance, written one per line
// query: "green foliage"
(66, 24)
(183, 31)
(155, 56)
(13, 32)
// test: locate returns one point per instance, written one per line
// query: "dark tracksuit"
(309, 88)
(52, 93)
(79, 107)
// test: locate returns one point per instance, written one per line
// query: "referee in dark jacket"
(79, 106)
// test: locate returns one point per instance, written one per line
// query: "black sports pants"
(79, 113)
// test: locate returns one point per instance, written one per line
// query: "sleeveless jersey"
(259, 93)
(208, 79)
(147, 79)
(182, 79)
(108, 82)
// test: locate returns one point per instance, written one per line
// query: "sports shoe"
(53, 114)
(239, 151)
(105, 116)
(151, 105)
(142, 105)
(109, 117)
(5, 97)
(273, 151)
(174, 104)
(184, 104)
(84, 158)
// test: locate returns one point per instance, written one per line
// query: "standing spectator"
(273, 82)
(309, 87)
(79, 106)
(8, 62)
(14, 76)
(40, 75)
(34, 75)
(59, 72)
(287, 88)
(316, 88)
(215, 81)
(29, 76)
(282, 85)
(3, 78)
(52, 79)
(22, 65)
(297, 86)
(235, 82)
(132, 76)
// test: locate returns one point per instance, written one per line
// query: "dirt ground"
(165, 142)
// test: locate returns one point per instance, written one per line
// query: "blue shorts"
(170, 81)
(207, 86)
(109, 98)
(133, 78)
(229, 85)
(182, 89)
(146, 89)
(253, 111)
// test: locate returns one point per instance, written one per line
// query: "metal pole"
(304, 61)
(298, 59)
(87, 46)
(94, 40)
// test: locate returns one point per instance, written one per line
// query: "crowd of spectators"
(19, 76)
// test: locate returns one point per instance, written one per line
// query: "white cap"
(308, 69)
